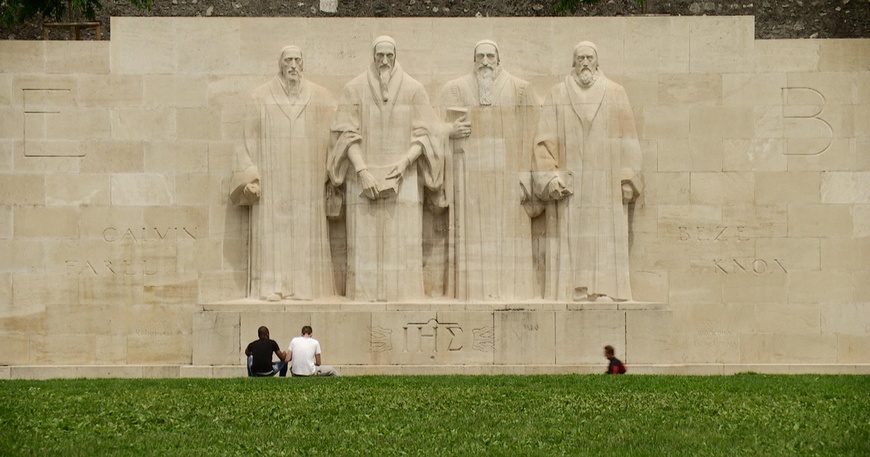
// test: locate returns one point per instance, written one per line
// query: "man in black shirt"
(259, 354)
(616, 366)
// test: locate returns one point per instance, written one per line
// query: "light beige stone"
(758, 154)
(786, 55)
(22, 189)
(650, 338)
(845, 254)
(819, 220)
(793, 253)
(22, 56)
(5, 222)
(195, 188)
(691, 89)
(658, 44)
(211, 47)
(198, 124)
(853, 349)
(87, 57)
(109, 156)
(763, 221)
(695, 288)
(845, 187)
(811, 287)
(524, 338)
(216, 338)
(110, 90)
(21, 254)
(784, 319)
(722, 122)
(764, 281)
(172, 157)
(175, 90)
(666, 122)
(217, 285)
(849, 319)
(5, 156)
(582, 335)
(156, 349)
(844, 55)
(130, 189)
(143, 46)
(38, 221)
(143, 124)
(836, 154)
(727, 188)
(76, 190)
(791, 187)
(6, 96)
(719, 44)
(753, 89)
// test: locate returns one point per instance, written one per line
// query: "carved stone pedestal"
(448, 337)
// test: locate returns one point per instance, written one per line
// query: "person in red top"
(616, 366)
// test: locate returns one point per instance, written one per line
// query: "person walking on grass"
(616, 366)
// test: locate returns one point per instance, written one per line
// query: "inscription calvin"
(138, 235)
(757, 267)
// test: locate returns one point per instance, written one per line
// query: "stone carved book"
(387, 187)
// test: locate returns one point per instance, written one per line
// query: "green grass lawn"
(440, 415)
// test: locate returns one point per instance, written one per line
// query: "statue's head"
(290, 64)
(585, 63)
(486, 55)
(384, 51)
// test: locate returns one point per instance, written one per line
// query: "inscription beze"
(758, 267)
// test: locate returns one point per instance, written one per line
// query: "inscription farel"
(713, 233)
(139, 235)
(115, 267)
(757, 267)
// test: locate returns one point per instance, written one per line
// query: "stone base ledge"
(34, 372)
(341, 305)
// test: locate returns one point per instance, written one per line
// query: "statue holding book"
(383, 151)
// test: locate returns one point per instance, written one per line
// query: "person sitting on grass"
(304, 355)
(259, 354)
(616, 366)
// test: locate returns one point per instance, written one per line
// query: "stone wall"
(115, 159)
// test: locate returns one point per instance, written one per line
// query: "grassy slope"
(447, 415)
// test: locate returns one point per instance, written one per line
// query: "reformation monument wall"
(499, 195)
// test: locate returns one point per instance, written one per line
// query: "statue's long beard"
(585, 77)
(386, 73)
(485, 80)
(294, 84)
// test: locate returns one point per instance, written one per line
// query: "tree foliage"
(15, 12)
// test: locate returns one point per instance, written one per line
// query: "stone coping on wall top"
(247, 306)
(36, 372)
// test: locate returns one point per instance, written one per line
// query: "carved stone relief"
(482, 169)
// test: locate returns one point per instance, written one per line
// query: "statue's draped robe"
(384, 237)
(587, 232)
(493, 243)
(285, 148)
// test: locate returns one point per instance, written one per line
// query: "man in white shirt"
(304, 356)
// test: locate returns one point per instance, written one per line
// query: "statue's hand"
(398, 168)
(252, 191)
(369, 184)
(460, 128)
(628, 193)
(556, 189)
